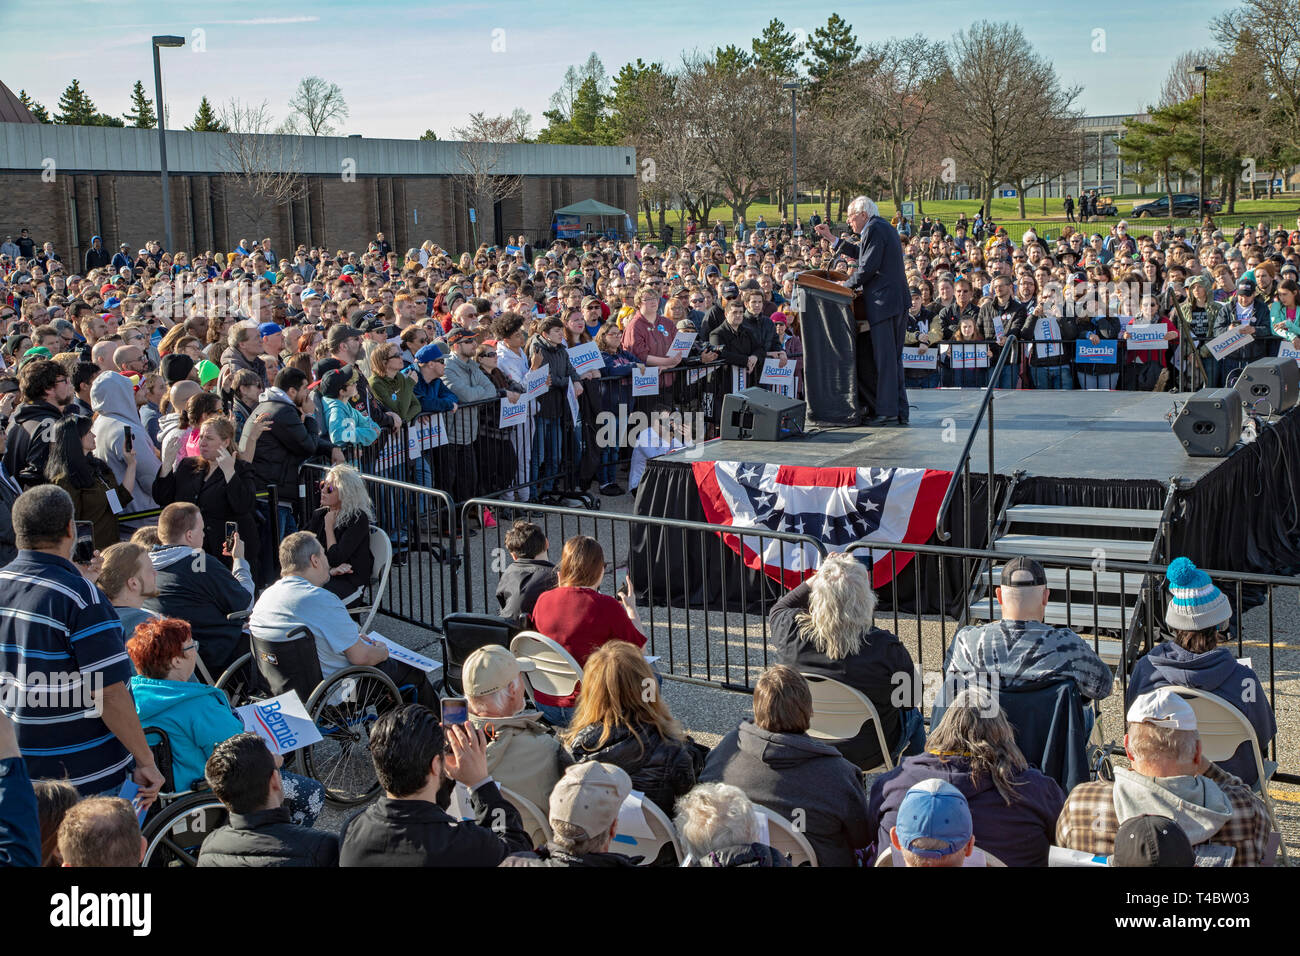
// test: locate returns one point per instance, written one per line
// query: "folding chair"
(839, 711)
(555, 672)
(663, 833)
(381, 553)
(1222, 729)
(535, 822)
(782, 836)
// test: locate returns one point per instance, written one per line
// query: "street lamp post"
(162, 41)
(794, 86)
(1200, 192)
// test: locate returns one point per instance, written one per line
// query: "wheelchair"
(178, 822)
(343, 708)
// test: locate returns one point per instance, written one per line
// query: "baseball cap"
(730, 290)
(372, 323)
(1022, 572)
(269, 328)
(1246, 287)
(458, 333)
(362, 317)
(324, 366)
(112, 302)
(780, 317)
(333, 382)
(589, 796)
(1163, 708)
(712, 271)
(936, 810)
(338, 334)
(1149, 840)
(491, 668)
(310, 294)
(589, 300)
(429, 353)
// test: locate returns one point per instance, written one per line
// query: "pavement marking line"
(1286, 796)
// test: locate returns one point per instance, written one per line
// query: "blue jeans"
(1089, 380)
(911, 737)
(548, 445)
(608, 470)
(559, 716)
(928, 380)
(1060, 376)
(288, 523)
(1009, 377)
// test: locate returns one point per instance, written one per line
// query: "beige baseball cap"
(589, 795)
(491, 668)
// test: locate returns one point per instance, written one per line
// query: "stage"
(1082, 448)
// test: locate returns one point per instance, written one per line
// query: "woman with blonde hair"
(826, 626)
(1014, 807)
(622, 719)
(342, 523)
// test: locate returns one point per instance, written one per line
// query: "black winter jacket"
(549, 855)
(521, 585)
(661, 769)
(747, 854)
(28, 448)
(419, 833)
(268, 838)
(201, 590)
(285, 445)
(218, 499)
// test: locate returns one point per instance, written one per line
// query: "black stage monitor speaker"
(759, 415)
(1269, 386)
(1209, 423)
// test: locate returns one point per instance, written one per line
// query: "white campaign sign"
(1228, 342)
(737, 379)
(774, 374)
(1286, 350)
(682, 343)
(429, 432)
(399, 653)
(586, 358)
(281, 721)
(512, 415)
(645, 380)
(1149, 337)
(914, 358)
(970, 356)
(536, 382)
(1047, 328)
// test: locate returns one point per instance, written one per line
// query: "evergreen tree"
(831, 48)
(774, 50)
(206, 121)
(36, 109)
(731, 58)
(141, 115)
(429, 136)
(75, 107)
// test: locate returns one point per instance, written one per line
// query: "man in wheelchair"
(245, 776)
(299, 599)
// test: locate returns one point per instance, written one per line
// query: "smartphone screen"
(232, 529)
(455, 710)
(128, 440)
(83, 552)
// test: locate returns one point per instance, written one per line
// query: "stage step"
(1078, 515)
(1048, 545)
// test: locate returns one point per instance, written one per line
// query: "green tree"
(206, 120)
(36, 109)
(732, 58)
(831, 48)
(775, 52)
(141, 115)
(429, 136)
(75, 107)
(579, 113)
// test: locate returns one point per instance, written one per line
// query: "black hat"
(360, 320)
(176, 367)
(730, 290)
(324, 366)
(1152, 841)
(1023, 572)
(335, 381)
(338, 334)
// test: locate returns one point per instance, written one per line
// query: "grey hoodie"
(112, 396)
(1194, 802)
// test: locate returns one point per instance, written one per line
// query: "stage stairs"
(1091, 602)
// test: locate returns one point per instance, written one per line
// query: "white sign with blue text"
(645, 380)
(586, 358)
(281, 721)
(1148, 337)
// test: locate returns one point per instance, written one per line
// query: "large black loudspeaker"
(759, 415)
(1269, 386)
(1209, 424)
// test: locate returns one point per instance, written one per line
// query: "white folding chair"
(381, 553)
(1222, 729)
(782, 836)
(555, 671)
(662, 831)
(535, 822)
(839, 711)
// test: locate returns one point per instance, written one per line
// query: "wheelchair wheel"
(239, 680)
(344, 708)
(174, 834)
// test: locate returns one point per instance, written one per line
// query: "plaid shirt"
(1088, 821)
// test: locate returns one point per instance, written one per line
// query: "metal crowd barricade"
(719, 640)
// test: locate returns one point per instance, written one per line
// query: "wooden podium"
(830, 322)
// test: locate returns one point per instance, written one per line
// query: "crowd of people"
(157, 414)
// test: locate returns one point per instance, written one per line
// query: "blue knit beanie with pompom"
(1195, 603)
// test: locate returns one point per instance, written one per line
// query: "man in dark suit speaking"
(880, 280)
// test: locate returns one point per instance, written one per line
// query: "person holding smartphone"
(97, 495)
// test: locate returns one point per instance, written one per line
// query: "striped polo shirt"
(59, 639)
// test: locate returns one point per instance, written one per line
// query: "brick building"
(68, 183)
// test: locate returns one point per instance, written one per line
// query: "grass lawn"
(1280, 210)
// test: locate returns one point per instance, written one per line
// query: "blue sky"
(405, 66)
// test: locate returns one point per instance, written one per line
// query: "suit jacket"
(879, 274)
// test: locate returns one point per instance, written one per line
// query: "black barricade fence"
(696, 631)
(420, 525)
